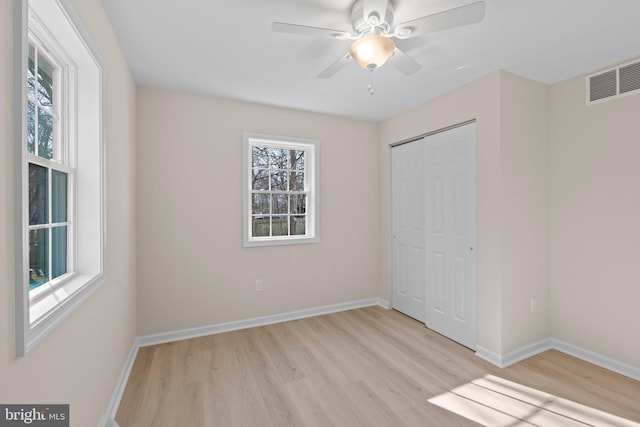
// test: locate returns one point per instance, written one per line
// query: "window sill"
(257, 242)
(47, 310)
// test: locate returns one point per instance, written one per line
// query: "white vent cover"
(613, 83)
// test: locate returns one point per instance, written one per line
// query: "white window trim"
(312, 178)
(69, 291)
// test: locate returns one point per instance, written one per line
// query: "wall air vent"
(603, 85)
(630, 78)
(613, 83)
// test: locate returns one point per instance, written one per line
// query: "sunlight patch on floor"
(496, 402)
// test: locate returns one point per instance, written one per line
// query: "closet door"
(450, 233)
(407, 177)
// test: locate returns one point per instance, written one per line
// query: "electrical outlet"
(259, 285)
(534, 304)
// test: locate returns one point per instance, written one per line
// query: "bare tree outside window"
(48, 225)
(280, 195)
(278, 192)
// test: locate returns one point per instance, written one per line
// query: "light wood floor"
(364, 367)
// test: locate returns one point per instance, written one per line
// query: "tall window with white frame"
(281, 191)
(59, 170)
(49, 171)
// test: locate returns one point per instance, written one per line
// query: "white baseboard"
(109, 416)
(382, 303)
(502, 361)
(165, 337)
(256, 321)
(108, 421)
(524, 352)
(597, 359)
(489, 356)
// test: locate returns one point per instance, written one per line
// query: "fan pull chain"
(370, 85)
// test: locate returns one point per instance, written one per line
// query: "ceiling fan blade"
(336, 66)
(403, 62)
(304, 30)
(464, 15)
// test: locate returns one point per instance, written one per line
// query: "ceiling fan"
(373, 31)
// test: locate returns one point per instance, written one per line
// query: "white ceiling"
(227, 49)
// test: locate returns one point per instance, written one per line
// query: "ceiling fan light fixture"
(372, 51)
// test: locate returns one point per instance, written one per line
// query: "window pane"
(31, 128)
(260, 157)
(260, 204)
(298, 225)
(280, 225)
(279, 158)
(58, 251)
(58, 196)
(279, 181)
(260, 179)
(38, 257)
(279, 170)
(297, 181)
(298, 204)
(279, 204)
(31, 73)
(38, 195)
(260, 226)
(297, 159)
(45, 134)
(45, 83)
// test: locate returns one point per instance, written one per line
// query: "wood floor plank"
(398, 388)
(234, 385)
(535, 413)
(137, 385)
(400, 377)
(433, 370)
(284, 367)
(312, 411)
(375, 410)
(280, 408)
(568, 377)
(370, 367)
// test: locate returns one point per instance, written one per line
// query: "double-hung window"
(59, 179)
(280, 190)
(50, 172)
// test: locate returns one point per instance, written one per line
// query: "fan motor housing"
(361, 25)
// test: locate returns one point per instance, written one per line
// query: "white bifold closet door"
(440, 269)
